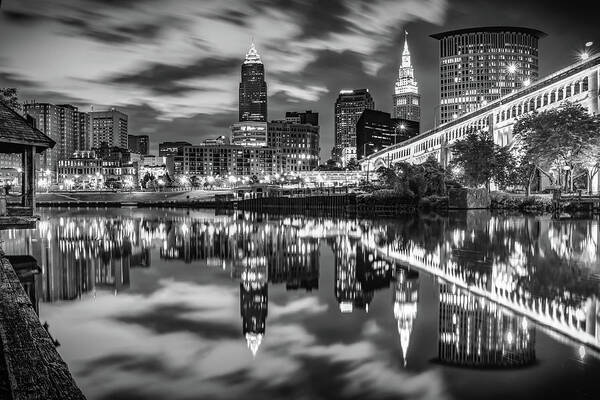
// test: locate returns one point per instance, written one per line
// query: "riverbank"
(30, 366)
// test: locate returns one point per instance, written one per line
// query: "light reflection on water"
(170, 304)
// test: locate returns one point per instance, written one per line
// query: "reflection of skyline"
(477, 333)
(499, 260)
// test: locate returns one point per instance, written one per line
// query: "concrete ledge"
(34, 368)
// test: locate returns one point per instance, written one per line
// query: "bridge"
(577, 83)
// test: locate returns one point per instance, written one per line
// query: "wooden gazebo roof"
(16, 133)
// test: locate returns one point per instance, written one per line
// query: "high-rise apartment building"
(479, 65)
(138, 144)
(349, 106)
(110, 127)
(64, 123)
(407, 101)
(253, 88)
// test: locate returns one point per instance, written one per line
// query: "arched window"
(585, 84)
(552, 97)
(561, 92)
(576, 87)
(569, 91)
(546, 99)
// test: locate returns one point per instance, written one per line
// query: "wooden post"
(32, 177)
(24, 177)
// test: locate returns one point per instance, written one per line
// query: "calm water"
(178, 305)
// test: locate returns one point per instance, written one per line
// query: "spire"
(405, 51)
(252, 56)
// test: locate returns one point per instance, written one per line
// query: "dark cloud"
(233, 17)
(114, 34)
(315, 18)
(165, 78)
(21, 17)
(171, 319)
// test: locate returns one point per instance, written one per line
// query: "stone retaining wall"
(34, 368)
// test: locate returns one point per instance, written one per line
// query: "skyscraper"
(407, 101)
(349, 106)
(479, 65)
(253, 88)
(110, 127)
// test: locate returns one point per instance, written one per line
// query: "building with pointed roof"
(253, 88)
(407, 101)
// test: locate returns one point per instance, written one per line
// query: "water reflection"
(498, 280)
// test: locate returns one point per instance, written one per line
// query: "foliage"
(417, 181)
(477, 160)
(353, 165)
(10, 97)
(565, 140)
(147, 179)
(195, 181)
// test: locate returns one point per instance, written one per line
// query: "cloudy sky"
(174, 65)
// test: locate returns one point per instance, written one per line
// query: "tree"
(147, 179)
(10, 97)
(353, 165)
(478, 161)
(565, 140)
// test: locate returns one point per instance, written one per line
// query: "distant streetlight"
(584, 55)
(527, 82)
(511, 68)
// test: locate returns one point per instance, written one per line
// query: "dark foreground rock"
(31, 364)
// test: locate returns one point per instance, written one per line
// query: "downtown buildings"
(257, 148)
(349, 106)
(480, 65)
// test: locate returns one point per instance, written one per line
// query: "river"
(177, 304)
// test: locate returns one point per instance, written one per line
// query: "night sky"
(174, 65)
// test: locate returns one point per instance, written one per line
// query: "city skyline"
(188, 91)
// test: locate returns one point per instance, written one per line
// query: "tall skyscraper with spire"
(407, 101)
(253, 88)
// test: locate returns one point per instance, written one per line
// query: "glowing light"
(584, 55)
(511, 68)
(581, 352)
(527, 82)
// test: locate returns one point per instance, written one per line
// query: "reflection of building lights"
(582, 352)
(509, 337)
(253, 341)
(346, 307)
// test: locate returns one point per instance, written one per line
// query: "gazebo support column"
(28, 177)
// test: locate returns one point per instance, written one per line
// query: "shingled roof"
(15, 132)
